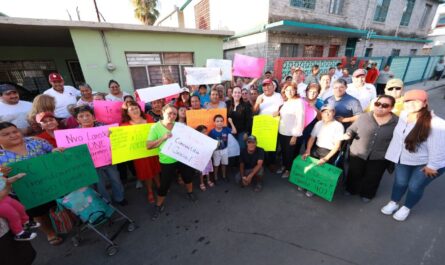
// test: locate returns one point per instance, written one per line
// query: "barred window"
(381, 10)
(309, 4)
(407, 12)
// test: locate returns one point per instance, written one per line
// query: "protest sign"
(233, 146)
(309, 113)
(130, 142)
(189, 146)
(202, 75)
(150, 94)
(224, 65)
(108, 112)
(265, 129)
(205, 117)
(96, 138)
(246, 66)
(53, 175)
(321, 180)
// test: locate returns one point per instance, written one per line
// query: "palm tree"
(145, 11)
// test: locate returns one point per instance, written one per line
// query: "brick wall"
(202, 15)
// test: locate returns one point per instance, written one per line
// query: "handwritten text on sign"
(265, 129)
(53, 175)
(96, 138)
(110, 112)
(224, 65)
(204, 117)
(130, 142)
(202, 75)
(321, 180)
(189, 146)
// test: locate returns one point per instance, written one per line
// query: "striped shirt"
(429, 152)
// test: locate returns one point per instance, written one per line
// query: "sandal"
(210, 183)
(151, 197)
(202, 187)
(55, 241)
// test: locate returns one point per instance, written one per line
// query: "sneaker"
(402, 214)
(300, 188)
(139, 184)
(390, 208)
(258, 187)
(285, 174)
(226, 179)
(31, 224)
(157, 212)
(191, 196)
(365, 200)
(281, 170)
(25, 236)
(309, 194)
(347, 193)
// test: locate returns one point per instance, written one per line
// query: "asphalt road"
(230, 225)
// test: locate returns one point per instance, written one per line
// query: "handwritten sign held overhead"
(130, 142)
(224, 65)
(265, 129)
(202, 75)
(189, 146)
(150, 94)
(53, 175)
(96, 138)
(108, 112)
(204, 117)
(321, 180)
(246, 66)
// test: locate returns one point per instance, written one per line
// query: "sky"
(114, 11)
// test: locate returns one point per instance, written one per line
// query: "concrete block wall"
(384, 47)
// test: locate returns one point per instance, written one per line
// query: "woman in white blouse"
(291, 126)
(417, 149)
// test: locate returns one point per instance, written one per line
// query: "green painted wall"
(93, 60)
(57, 54)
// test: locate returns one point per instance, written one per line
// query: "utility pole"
(97, 11)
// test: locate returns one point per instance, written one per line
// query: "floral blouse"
(34, 147)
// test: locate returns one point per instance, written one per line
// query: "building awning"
(315, 29)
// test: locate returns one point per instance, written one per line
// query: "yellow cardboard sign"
(130, 143)
(265, 129)
(204, 117)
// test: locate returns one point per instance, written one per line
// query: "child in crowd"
(181, 115)
(221, 154)
(85, 116)
(209, 167)
(99, 96)
(14, 212)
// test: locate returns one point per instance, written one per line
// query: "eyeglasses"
(383, 105)
(392, 88)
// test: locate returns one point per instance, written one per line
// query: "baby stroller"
(93, 211)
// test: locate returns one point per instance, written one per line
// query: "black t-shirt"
(251, 160)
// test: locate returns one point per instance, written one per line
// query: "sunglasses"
(383, 105)
(392, 88)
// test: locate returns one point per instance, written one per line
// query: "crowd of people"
(323, 115)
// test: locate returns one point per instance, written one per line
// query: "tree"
(145, 11)
(3, 14)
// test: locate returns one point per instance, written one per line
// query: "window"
(426, 15)
(148, 69)
(288, 50)
(333, 50)
(309, 4)
(336, 6)
(412, 52)
(368, 52)
(313, 51)
(441, 21)
(395, 52)
(381, 10)
(407, 12)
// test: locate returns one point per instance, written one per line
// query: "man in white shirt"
(339, 70)
(12, 109)
(64, 95)
(362, 91)
(270, 101)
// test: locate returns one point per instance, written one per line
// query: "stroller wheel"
(131, 227)
(76, 241)
(112, 250)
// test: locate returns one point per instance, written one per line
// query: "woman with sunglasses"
(417, 149)
(371, 135)
(394, 88)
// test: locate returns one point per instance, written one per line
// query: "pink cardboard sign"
(309, 113)
(246, 66)
(108, 112)
(96, 138)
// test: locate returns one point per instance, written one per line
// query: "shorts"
(221, 157)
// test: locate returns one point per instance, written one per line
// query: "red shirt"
(372, 75)
(148, 118)
(46, 136)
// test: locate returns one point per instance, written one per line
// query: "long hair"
(420, 132)
(125, 116)
(41, 103)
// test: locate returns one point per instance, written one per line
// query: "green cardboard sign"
(53, 175)
(321, 180)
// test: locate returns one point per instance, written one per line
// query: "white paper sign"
(225, 65)
(189, 146)
(203, 75)
(150, 94)
(233, 146)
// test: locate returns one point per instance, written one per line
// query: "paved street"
(230, 225)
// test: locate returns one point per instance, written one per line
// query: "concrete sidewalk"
(427, 85)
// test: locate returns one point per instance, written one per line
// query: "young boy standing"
(221, 154)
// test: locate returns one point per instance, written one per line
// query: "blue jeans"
(240, 139)
(410, 178)
(111, 174)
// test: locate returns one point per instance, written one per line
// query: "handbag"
(62, 219)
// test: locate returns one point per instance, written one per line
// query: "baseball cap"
(395, 82)
(185, 89)
(416, 94)
(7, 87)
(251, 139)
(327, 107)
(55, 77)
(267, 81)
(42, 115)
(359, 72)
